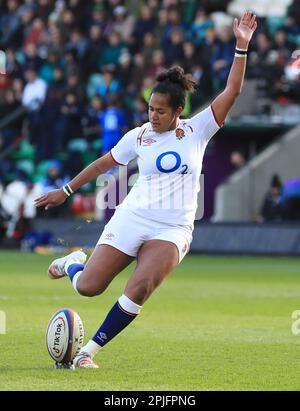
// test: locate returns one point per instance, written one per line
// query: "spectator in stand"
(70, 124)
(18, 87)
(174, 23)
(259, 57)
(207, 49)
(174, 52)
(19, 36)
(5, 84)
(123, 23)
(53, 37)
(101, 18)
(31, 57)
(140, 115)
(69, 62)
(145, 24)
(272, 209)
(47, 70)
(34, 91)
(112, 52)
(35, 33)
(50, 141)
(158, 63)
(200, 26)
(27, 4)
(161, 26)
(294, 10)
(113, 123)
(283, 47)
(67, 24)
(54, 177)
(77, 44)
(108, 83)
(191, 56)
(34, 95)
(75, 86)
(9, 23)
(292, 27)
(149, 46)
(138, 70)
(56, 14)
(44, 8)
(146, 88)
(93, 51)
(125, 71)
(13, 67)
(222, 58)
(90, 120)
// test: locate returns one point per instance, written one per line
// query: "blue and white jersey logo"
(169, 162)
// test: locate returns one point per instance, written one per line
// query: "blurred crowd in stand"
(83, 72)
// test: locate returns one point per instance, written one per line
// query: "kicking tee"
(169, 166)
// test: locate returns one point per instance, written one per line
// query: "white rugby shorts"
(128, 231)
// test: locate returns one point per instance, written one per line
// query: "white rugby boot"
(84, 360)
(57, 267)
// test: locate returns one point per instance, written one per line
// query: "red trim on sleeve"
(120, 164)
(215, 117)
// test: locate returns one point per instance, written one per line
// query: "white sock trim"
(75, 279)
(91, 347)
(128, 305)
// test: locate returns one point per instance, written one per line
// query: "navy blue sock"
(117, 319)
(73, 269)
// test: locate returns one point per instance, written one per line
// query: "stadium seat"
(263, 8)
(41, 170)
(78, 144)
(274, 23)
(26, 151)
(27, 166)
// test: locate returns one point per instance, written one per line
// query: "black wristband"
(241, 52)
(67, 189)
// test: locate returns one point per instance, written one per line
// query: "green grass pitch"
(217, 323)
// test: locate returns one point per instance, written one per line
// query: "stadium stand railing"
(240, 198)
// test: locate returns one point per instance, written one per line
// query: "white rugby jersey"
(169, 165)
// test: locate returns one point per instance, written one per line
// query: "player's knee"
(88, 290)
(85, 291)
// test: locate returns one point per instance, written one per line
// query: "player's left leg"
(155, 260)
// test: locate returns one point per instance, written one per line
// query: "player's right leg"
(93, 278)
(102, 267)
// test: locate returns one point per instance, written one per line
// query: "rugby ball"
(64, 335)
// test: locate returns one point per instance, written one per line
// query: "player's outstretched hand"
(51, 199)
(244, 29)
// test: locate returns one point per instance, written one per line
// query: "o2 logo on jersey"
(163, 168)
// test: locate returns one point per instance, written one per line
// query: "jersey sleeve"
(205, 124)
(125, 150)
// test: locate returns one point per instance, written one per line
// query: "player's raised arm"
(55, 198)
(243, 32)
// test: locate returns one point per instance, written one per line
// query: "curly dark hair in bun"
(175, 84)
